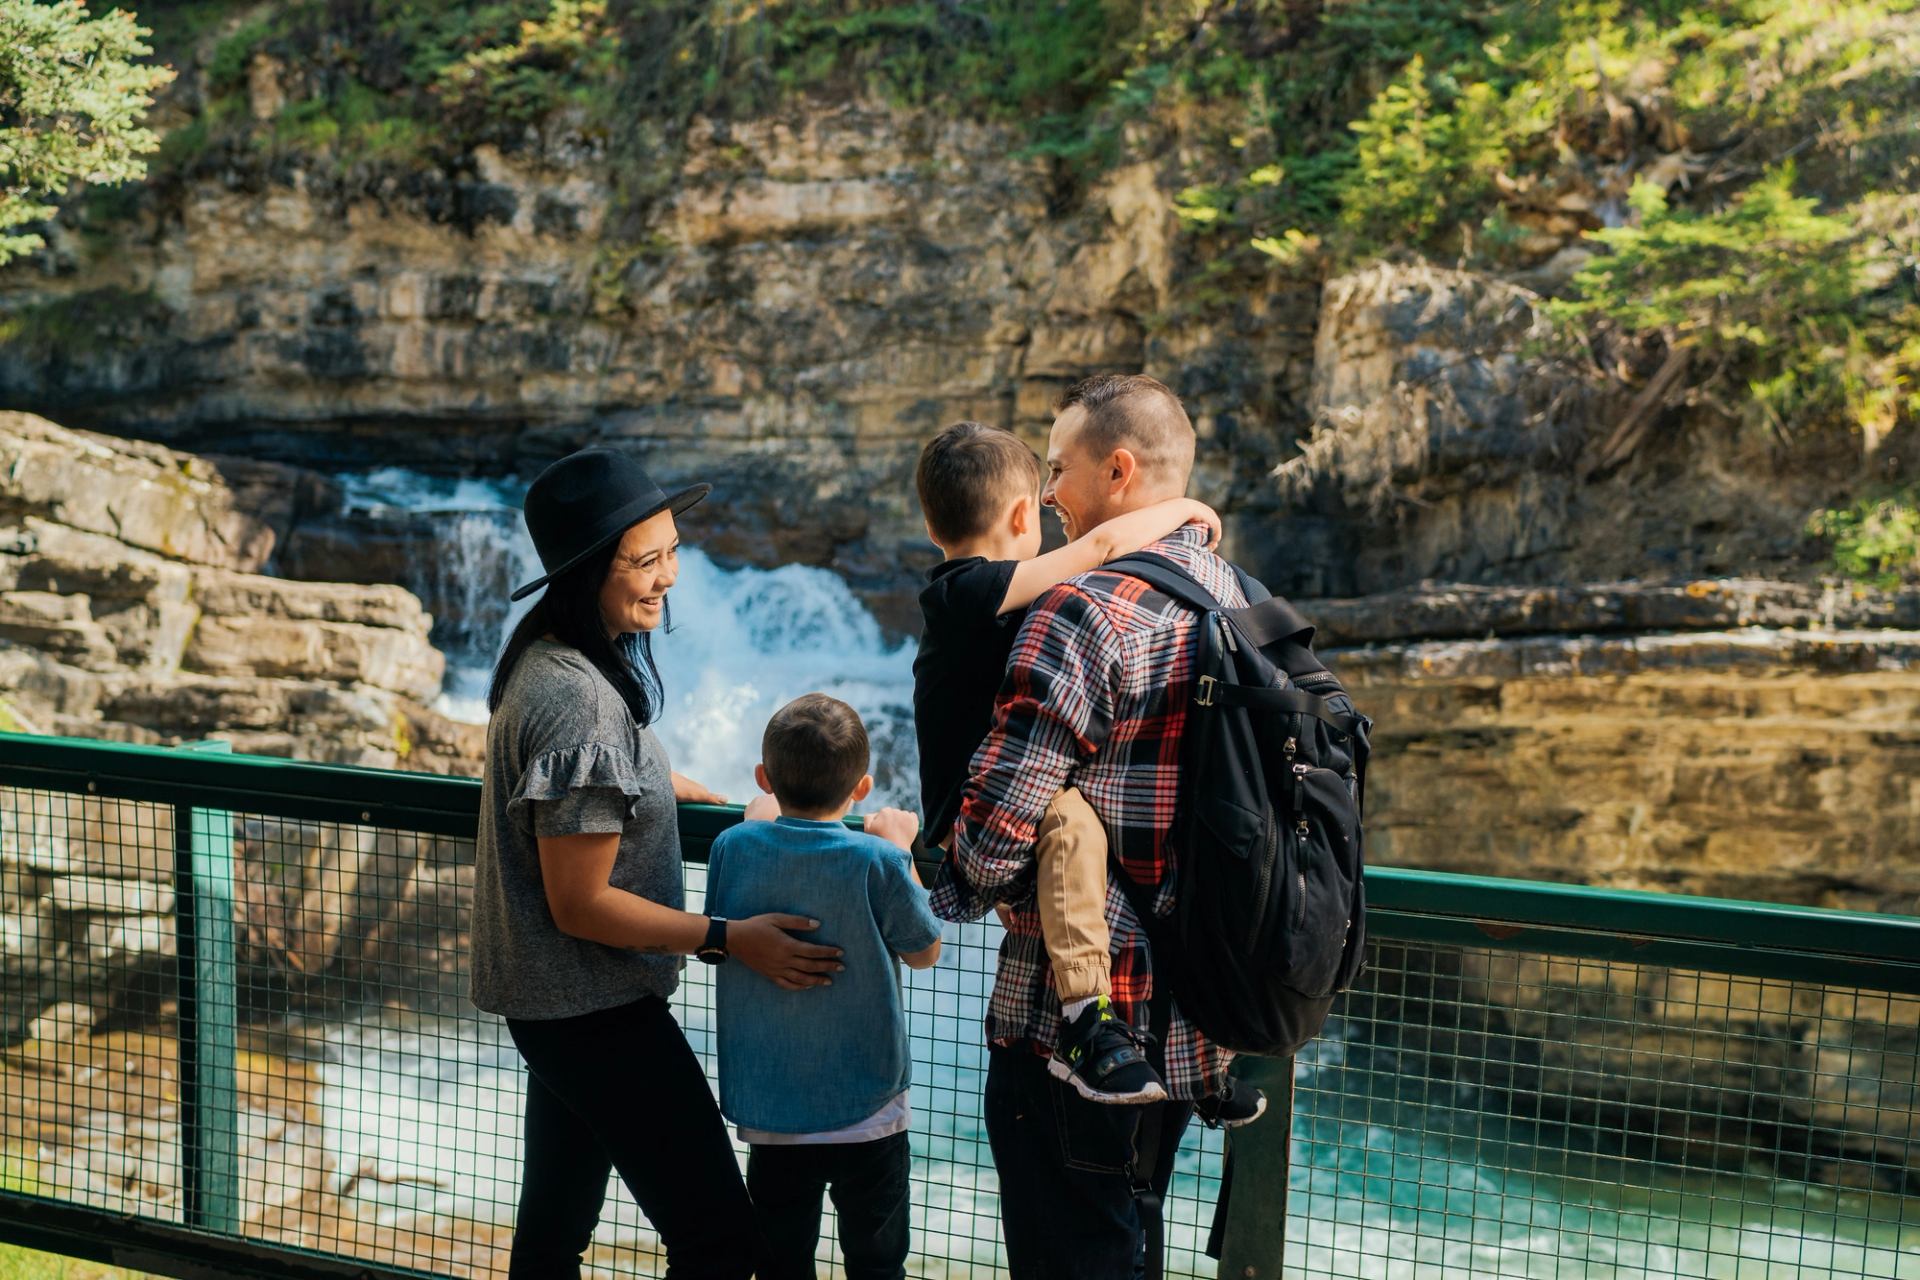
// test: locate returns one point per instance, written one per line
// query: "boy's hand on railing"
(896, 826)
(764, 945)
(762, 808)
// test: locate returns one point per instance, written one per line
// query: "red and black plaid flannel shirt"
(1095, 697)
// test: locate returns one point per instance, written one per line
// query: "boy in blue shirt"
(816, 1080)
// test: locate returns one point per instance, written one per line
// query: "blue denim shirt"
(811, 1061)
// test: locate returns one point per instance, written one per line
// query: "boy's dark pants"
(1067, 1206)
(868, 1183)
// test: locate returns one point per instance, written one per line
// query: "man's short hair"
(1139, 414)
(968, 473)
(815, 751)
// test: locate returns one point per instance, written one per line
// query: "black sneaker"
(1233, 1106)
(1105, 1060)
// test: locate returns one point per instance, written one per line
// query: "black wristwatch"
(714, 949)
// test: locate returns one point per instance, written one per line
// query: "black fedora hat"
(586, 500)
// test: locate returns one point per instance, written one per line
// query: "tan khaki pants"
(1071, 853)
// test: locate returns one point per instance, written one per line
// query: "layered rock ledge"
(133, 606)
(1747, 763)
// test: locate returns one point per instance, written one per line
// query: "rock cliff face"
(813, 295)
(813, 299)
(131, 606)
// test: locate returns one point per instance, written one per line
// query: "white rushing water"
(742, 641)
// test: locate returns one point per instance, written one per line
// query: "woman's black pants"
(621, 1089)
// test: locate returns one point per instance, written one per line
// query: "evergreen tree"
(72, 97)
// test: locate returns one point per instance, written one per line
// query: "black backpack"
(1269, 921)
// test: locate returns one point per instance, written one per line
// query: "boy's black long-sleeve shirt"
(964, 647)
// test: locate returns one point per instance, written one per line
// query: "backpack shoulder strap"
(1166, 577)
(1256, 590)
(1267, 618)
(1271, 621)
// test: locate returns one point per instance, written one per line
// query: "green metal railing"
(275, 1071)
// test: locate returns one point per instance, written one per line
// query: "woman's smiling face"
(645, 564)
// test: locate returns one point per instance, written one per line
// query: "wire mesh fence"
(1479, 1112)
(328, 1088)
(256, 1025)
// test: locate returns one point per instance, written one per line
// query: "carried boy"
(980, 490)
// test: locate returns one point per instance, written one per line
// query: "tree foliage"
(73, 94)
(1766, 287)
(1876, 540)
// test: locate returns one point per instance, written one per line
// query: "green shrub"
(227, 65)
(1419, 164)
(1769, 291)
(539, 69)
(307, 125)
(1877, 539)
(99, 319)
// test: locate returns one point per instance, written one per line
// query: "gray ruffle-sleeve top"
(564, 756)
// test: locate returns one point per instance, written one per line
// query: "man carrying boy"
(818, 1087)
(980, 492)
(1095, 695)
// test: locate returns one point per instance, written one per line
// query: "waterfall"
(743, 641)
(471, 550)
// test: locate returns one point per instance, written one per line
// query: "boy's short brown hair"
(967, 473)
(815, 751)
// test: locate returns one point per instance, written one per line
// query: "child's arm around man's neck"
(1011, 538)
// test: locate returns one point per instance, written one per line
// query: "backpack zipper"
(1266, 876)
(1300, 833)
(1226, 631)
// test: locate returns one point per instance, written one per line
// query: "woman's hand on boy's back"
(764, 944)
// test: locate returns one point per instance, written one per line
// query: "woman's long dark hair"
(569, 611)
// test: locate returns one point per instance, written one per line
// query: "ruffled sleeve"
(593, 787)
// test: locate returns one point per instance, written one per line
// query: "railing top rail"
(1640, 914)
(426, 802)
(1763, 939)
(1755, 939)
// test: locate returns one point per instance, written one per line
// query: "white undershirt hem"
(890, 1119)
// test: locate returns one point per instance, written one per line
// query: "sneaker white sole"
(1259, 1110)
(1061, 1071)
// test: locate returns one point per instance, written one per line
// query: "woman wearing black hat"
(579, 931)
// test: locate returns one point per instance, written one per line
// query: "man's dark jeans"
(868, 1183)
(621, 1089)
(1066, 1202)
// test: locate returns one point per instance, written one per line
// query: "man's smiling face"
(1076, 482)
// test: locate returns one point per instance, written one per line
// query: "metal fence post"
(1255, 1238)
(209, 1013)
